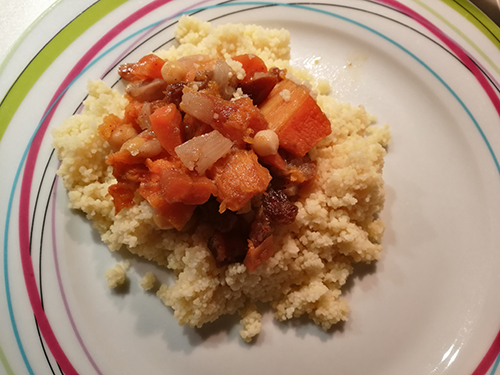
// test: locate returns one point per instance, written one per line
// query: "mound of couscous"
(336, 224)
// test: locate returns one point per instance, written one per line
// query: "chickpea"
(266, 142)
(173, 72)
(133, 145)
(143, 148)
(150, 148)
(121, 135)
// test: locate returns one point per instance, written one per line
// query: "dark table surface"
(490, 7)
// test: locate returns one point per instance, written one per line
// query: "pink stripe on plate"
(61, 287)
(494, 349)
(24, 212)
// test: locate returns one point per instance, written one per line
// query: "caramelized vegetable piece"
(194, 127)
(182, 188)
(236, 120)
(109, 124)
(147, 91)
(123, 194)
(258, 255)
(128, 180)
(175, 184)
(294, 115)
(227, 248)
(166, 123)
(274, 160)
(149, 67)
(238, 177)
(261, 84)
(132, 111)
(175, 215)
(251, 64)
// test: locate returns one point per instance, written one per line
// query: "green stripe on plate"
(5, 363)
(476, 17)
(38, 65)
(48, 54)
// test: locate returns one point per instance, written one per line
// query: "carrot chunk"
(294, 115)
(175, 215)
(238, 177)
(123, 157)
(166, 123)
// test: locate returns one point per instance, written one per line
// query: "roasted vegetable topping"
(198, 134)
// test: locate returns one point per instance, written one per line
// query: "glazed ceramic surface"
(431, 305)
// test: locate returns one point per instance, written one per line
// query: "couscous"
(336, 221)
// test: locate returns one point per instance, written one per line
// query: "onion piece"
(143, 118)
(201, 152)
(225, 77)
(198, 106)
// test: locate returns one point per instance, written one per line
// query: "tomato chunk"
(166, 123)
(128, 180)
(123, 194)
(132, 111)
(251, 64)
(149, 67)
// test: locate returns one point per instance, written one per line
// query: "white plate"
(430, 306)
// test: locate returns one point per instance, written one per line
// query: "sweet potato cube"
(171, 214)
(294, 115)
(175, 184)
(238, 177)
